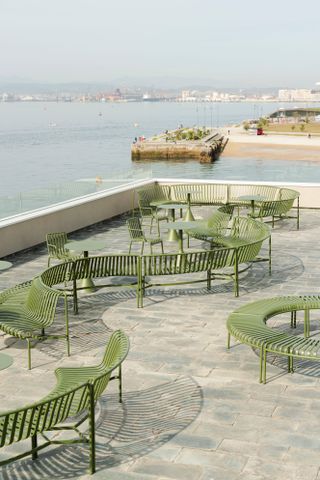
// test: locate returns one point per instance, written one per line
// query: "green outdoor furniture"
(137, 235)
(241, 246)
(248, 324)
(206, 261)
(276, 204)
(104, 266)
(28, 310)
(56, 245)
(215, 226)
(153, 214)
(278, 209)
(75, 395)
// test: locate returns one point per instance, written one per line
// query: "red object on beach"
(259, 131)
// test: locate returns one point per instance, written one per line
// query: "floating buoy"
(136, 124)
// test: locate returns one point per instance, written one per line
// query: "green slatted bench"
(105, 266)
(76, 393)
(277, 203)
(166, 264)
(27, 310)
(248, 324)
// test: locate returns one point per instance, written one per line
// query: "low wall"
(27, 230)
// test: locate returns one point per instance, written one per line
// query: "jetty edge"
(203, 144)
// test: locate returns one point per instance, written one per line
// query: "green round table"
(5, 265)
(84, 246)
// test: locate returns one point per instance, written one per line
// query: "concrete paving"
(191, 409)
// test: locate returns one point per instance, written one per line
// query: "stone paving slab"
(192, 409)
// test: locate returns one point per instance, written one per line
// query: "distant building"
(299, 95)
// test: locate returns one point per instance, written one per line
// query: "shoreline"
(271, 146)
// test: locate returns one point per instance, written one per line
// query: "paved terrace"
(191, 409)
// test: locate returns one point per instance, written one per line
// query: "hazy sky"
(226, 43)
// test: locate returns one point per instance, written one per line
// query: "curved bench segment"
(248, 324)
(76, 393)
(277, 201)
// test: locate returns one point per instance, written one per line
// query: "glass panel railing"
(24, 202)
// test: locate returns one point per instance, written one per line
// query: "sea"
(45, 144)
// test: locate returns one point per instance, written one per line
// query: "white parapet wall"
(27, 230)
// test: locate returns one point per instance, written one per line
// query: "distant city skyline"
(173, 43)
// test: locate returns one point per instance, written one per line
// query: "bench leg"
(228, 341)
(120, 384)
(307, 323)
(29, 353)
(261, 363)
(92, 440)
(34, 444)
(264, 374)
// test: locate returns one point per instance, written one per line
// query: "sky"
(222, 43)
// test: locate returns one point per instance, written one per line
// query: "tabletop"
(170, 205)
(85, 245)
(252, 197)
(181, 225)
(4, 265)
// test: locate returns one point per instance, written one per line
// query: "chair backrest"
(56, 244)
(153, 193)
(135, 228)
(42, 301)
(23, 423)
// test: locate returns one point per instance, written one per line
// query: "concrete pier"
(203, 145)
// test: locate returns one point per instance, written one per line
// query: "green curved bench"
(248, 324)
(76, 393)
(276, 205)
(27, 310)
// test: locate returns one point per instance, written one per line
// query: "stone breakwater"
(170, 145)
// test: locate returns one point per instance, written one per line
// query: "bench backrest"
(56, 407)
(23, 423)
(116, 352)
(56, 274)
(219, 222)
(249, 230)
(175, 263)
(153, 193)
(42, 301)
(202, 193)
(269, 192)
(105, 266)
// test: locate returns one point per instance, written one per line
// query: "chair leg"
(130, 247)
(142, 248)
(162, 246)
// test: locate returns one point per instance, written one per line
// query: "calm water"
(42, 144)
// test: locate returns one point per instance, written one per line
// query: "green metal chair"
(154, 214)
(137, 235)
(56, 244)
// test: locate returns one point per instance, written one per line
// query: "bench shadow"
(145, 421)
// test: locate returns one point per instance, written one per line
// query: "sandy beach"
(271, 146)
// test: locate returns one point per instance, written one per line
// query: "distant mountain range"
(24, 86)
